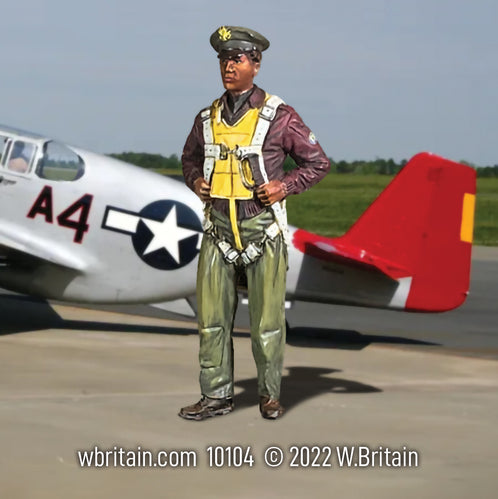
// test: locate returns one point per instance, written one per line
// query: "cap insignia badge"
(224, 34)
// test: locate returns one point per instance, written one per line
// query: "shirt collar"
(256, 99)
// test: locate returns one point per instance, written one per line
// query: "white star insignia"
(167, 235)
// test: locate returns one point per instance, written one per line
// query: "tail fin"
(422, 223)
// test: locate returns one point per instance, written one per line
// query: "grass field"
(486, 225)
(332, 206)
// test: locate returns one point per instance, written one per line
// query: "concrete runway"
(74, 379)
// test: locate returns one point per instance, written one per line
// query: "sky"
(371, 78)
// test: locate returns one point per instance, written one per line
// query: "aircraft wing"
(18, 246)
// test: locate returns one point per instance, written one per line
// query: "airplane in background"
(82, 227)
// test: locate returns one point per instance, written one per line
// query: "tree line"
(359, 167)
(152, 161)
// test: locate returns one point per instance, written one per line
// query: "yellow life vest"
(232, 178)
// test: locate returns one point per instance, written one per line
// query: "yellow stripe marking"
(467, 227)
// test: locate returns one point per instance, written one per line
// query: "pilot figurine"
(233, 160)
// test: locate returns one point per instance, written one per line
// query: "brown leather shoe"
(206, 408)
(270, 408)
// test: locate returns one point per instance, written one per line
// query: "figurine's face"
(238, 72)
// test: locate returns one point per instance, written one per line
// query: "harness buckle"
(251, 253)
(268, 112)
(273, 230)
(230, 254)
(224, 151)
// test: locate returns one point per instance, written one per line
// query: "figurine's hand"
(202, 189)
(273, 191)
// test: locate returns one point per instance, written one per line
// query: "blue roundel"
(167, 235)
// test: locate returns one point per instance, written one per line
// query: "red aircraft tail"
(421, 227)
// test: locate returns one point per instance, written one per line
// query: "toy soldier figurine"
(233, 160)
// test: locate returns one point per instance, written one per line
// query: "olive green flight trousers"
(217, 303)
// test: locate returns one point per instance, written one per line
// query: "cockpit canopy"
(26, 154)
(59, 163)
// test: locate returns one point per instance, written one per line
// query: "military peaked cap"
(238, 38)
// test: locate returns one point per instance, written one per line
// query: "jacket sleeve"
(193, 154)
(302, 146)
